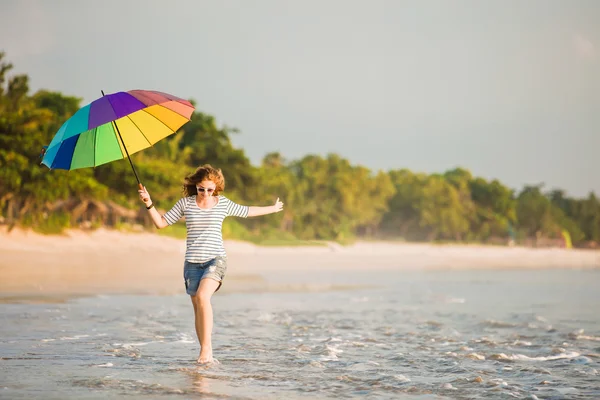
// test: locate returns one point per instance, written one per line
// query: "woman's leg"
(204, 317)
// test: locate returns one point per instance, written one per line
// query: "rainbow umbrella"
(115, 126)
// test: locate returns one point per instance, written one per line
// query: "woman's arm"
(158, 220)
(256, 211)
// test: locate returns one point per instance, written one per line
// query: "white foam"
(455, 300)
(498, 324)
(358, 344)
(184, 338)
(521, 343)
(331, 357)
(265, 317)
(521, 357)
(401, 378)
(76, 337)
(333, 349)
(475, 356)
(586, 337)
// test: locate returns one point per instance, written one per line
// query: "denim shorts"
(193, 273)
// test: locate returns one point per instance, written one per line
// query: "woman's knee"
(203, 296)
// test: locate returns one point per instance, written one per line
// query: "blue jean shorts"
(193, 273)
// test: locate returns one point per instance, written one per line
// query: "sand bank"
(34, 266)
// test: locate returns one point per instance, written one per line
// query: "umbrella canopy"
(115, 126)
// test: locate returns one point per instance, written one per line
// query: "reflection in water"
(198, 381)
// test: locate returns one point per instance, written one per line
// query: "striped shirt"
(204, 237)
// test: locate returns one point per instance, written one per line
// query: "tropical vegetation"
(327, 197)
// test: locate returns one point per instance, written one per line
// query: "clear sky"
(507, 89)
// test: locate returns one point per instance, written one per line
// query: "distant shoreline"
(40, 268)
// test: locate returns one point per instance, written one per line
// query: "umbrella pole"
(128, 157)
(126, 152)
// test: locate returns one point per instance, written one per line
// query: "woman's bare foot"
(213, 361)
(205, 357)
(204, 360)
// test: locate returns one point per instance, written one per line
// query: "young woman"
(205, 263)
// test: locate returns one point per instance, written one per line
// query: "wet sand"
(39, 268)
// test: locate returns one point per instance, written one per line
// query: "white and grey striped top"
(204, 237)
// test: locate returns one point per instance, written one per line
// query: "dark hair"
(203, 173)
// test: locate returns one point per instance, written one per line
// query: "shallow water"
(422, 335)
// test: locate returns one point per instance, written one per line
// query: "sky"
(509, 90)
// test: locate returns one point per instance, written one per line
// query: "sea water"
(403, 334)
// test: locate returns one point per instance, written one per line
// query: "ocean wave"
(522, 357)
(498, 324)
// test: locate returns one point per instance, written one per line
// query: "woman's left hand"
(278, 205)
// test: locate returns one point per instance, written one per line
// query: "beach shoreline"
(49, 268)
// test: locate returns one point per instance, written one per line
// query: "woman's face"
(206, 188)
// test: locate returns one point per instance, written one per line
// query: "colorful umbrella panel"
(91, 136)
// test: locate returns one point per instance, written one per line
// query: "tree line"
(326, 197)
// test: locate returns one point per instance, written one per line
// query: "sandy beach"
(51, 267)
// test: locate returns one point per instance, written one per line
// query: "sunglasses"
(201, 189)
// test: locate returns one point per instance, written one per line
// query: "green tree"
(582, 215)
(443, 210)
(403, 215)
(495, 208)
(26, 124)
(535, 213)
(334, 199)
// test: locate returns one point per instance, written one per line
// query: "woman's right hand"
(145, 196)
